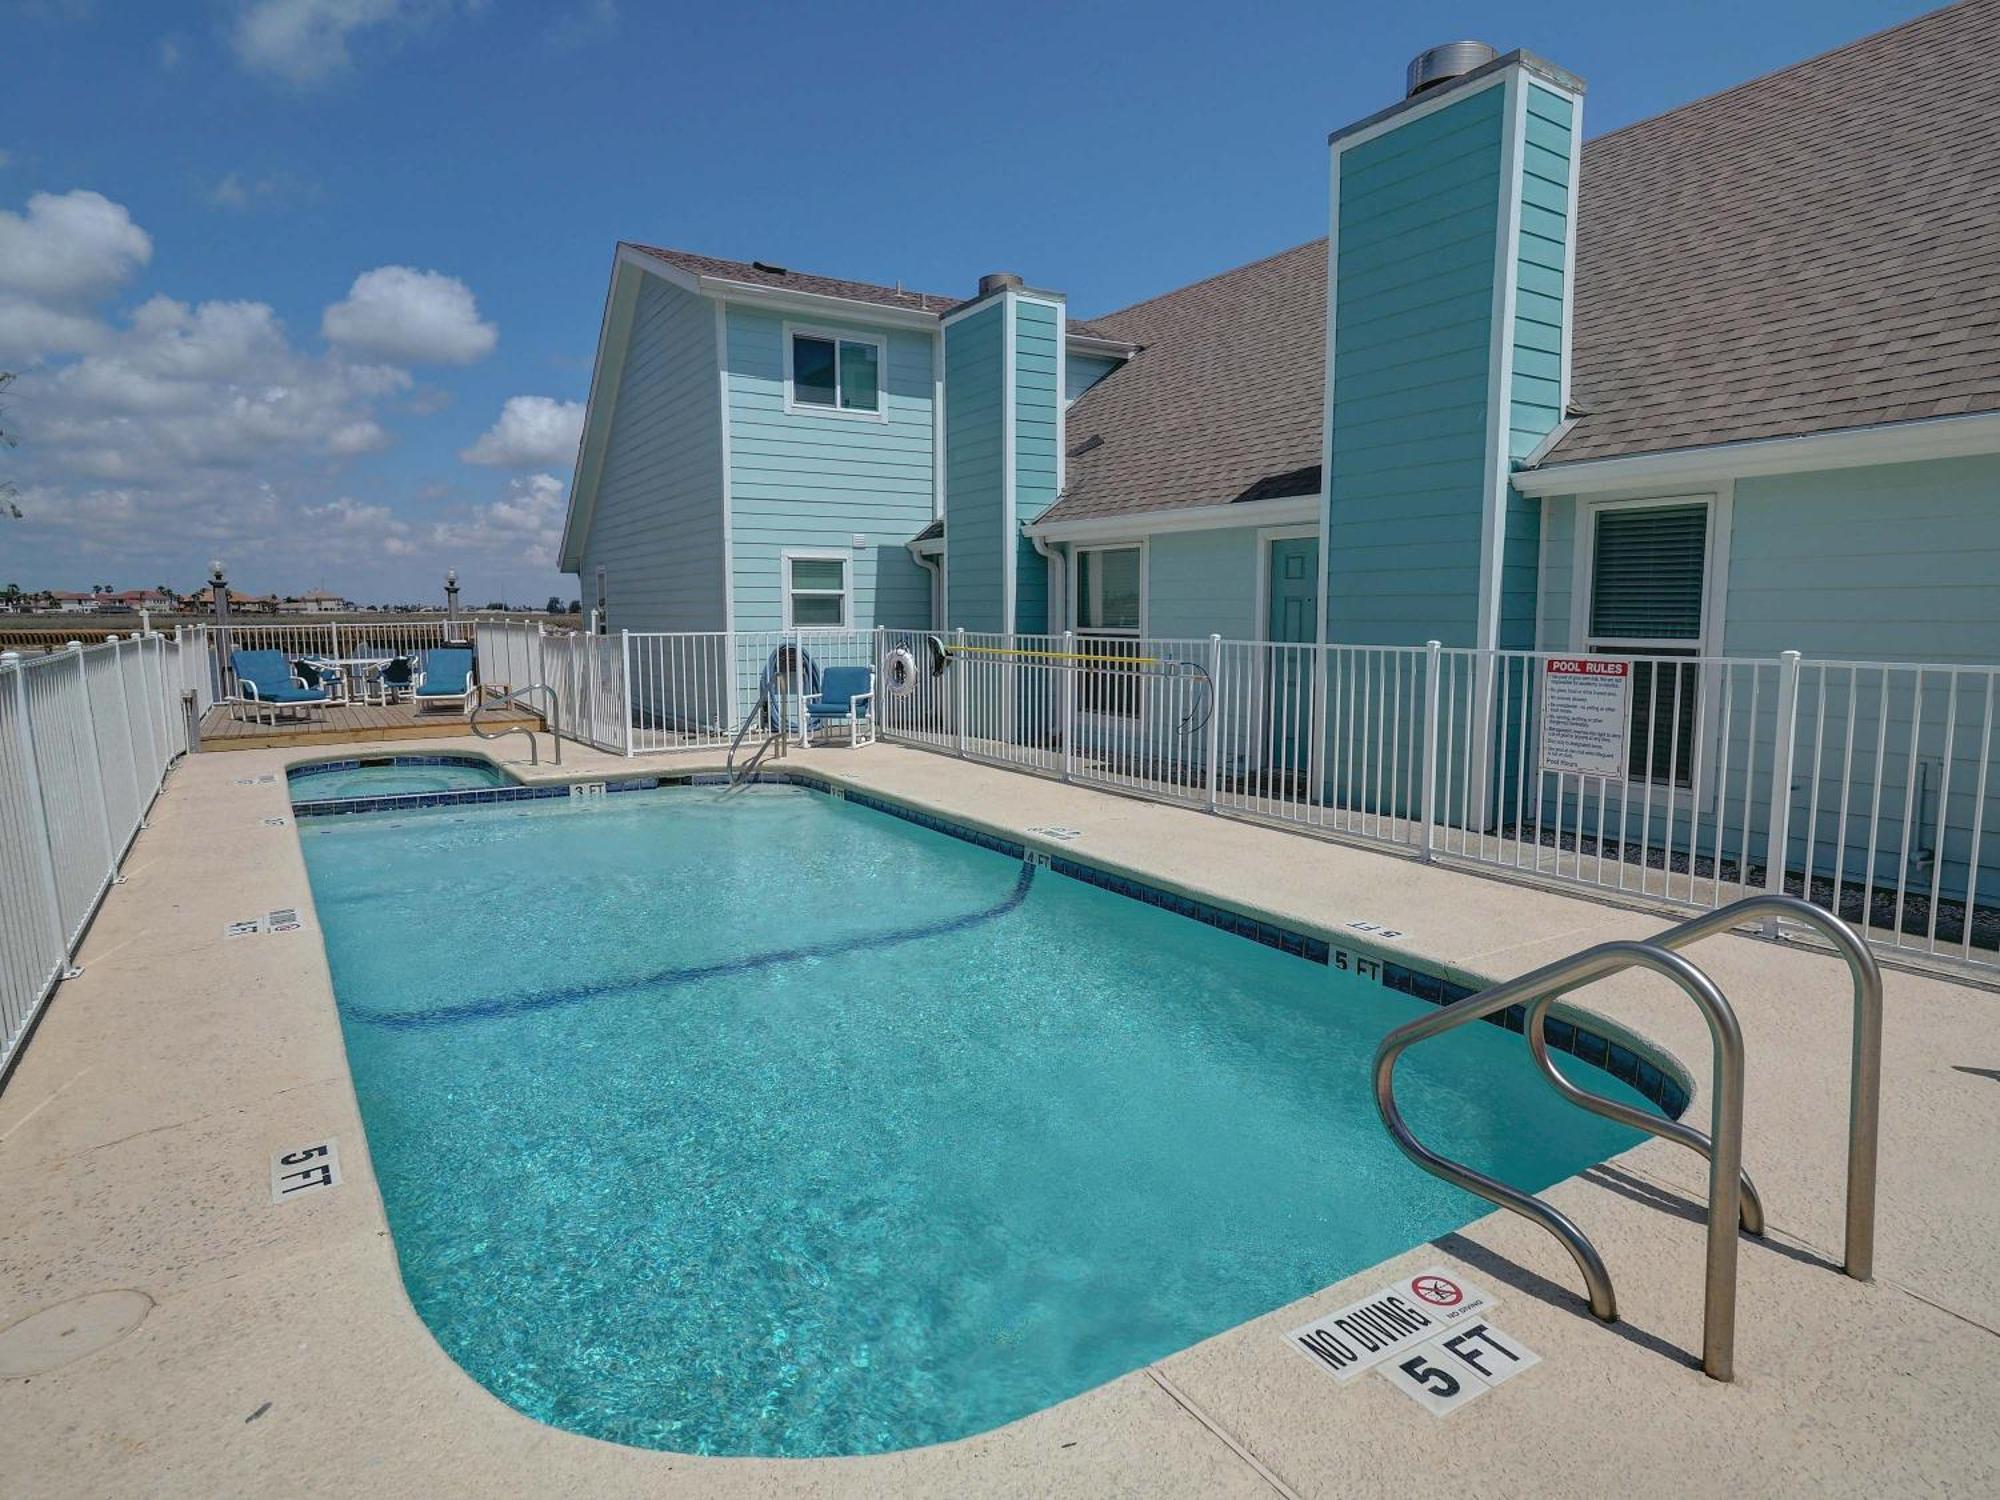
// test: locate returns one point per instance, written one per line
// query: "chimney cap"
(1441, 64)
(998, 281)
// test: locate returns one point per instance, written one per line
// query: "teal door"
(1293, 620)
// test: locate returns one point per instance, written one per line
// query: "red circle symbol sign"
(1437, 1291)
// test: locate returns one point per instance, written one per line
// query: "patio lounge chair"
(444, 675)
(845, 693)
(391, 682)
(265, 682)
(325, 676)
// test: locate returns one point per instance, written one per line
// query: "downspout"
(930, 566)
(1058, 584)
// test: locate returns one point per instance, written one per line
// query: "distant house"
(1723, 382)
(69, 602)
(318, 602)
(203, 601)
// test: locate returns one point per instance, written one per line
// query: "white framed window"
(1645, 591)
(602, 614)
(1108, 604)
(819, 592)
(829, 373)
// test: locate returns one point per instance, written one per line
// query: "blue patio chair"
(444, 675)
(392, 681)
(265, 682)
(326, 676)
(845, 693)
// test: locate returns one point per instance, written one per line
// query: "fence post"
(125, 714)
(45, 848)
(96, 763)
(1432, 652)
(958, 684)
(1069, 706)
(875, 675)
(1784, 734)
(625, 685)
(1214, 748)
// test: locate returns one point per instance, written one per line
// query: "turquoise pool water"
(393, 777)
(763, 1123)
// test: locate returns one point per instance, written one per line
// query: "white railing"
(1866, 787)
(86, 738)
(335, 640)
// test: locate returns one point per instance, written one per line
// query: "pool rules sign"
(1584, 703)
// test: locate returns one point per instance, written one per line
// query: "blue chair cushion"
(838, 688)
(447, 671)
(269, 675)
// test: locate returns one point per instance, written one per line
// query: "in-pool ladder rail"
(517, 697)
(1730, 1194)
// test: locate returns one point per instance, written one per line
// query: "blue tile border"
(1589, 1047)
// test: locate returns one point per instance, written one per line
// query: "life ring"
(899, 671)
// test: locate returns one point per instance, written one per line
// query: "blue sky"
(313, 285)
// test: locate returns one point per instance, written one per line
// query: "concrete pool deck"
(275, 1351)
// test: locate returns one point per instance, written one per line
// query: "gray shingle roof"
(1222, 403)
(1814, 250)
(752, 273)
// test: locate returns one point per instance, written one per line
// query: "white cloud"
(74, 245)
(409, 316)
(307, 42)
(304, 41)
(525, 523)
(230, 192)
(534, 432)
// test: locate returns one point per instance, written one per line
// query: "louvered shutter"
(1646, 582)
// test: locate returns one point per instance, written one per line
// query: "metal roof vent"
(1442, 64)
(998, 281)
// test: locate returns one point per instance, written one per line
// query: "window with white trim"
(1648, 598)
(603, 611)
(816, 592)
(1109, 584)
(834, 373)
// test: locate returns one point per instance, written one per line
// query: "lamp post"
(218, 587)
(451, 603)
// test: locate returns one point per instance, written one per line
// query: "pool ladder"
(1732, 1198)
(516, 696)
(774, 736)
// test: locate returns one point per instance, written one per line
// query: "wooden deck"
(222, 730)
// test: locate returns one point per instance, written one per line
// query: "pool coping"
(1207, 1432)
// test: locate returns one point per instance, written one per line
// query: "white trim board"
(1847, 448)
(1291, 510)
(728, 482)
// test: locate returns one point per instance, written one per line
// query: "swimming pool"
(393, 776)
(761, 1123)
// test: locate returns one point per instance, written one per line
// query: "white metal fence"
(1867, 787)
(86, 737)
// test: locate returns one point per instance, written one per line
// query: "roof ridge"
(1248, 265)
(1791, 67)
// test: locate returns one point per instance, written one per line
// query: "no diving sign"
(1429, 1336)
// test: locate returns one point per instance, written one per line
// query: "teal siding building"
(1511, 361)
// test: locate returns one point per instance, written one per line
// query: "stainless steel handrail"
(1726, 1127)
(1864, 1084)
(513, 696)
(1864, 1087)
(777, 736)
(554, 715)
